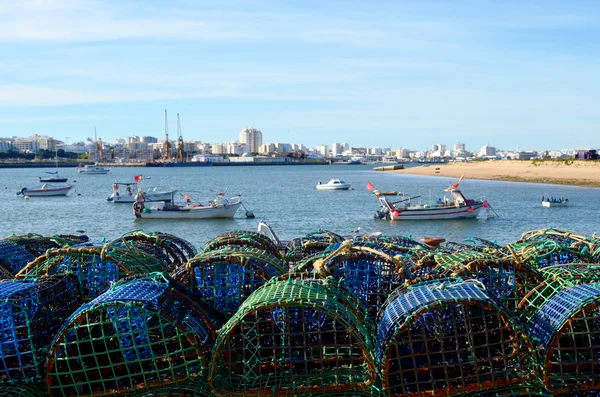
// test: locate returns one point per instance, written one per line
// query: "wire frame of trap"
(172, 251)
(313, 243)
(526, 390)
(226, 277)
(369, 271)
(244, 239)
(22, 391)
(293, 337)
(541, 253)
(13, 257)
(196, 387)
(95, 267)
(31, 313)
(450, 338)
(567, 329)
(140, 335)
(37, 244)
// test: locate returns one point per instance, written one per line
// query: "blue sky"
(370, 73)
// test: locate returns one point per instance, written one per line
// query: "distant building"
(487, 151)
(26, 145)
(459, 147)
(323, 150)
(148, 139)
(6, 146)
(207, 159)
(251, 137)
(337, 149)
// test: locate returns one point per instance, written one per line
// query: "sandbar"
(561, 172)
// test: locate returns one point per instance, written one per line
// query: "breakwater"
(321, 314)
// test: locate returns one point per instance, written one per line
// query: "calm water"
(284, 197)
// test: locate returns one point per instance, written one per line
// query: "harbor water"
(285, 198)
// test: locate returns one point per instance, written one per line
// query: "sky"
(399, 74)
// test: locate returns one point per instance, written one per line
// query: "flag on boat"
(186, 197)
(223, 192)
(370, 186)
(457, 183)
(137, 178)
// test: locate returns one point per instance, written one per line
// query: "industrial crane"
(167, 145)
(98, 145)
(180, 145)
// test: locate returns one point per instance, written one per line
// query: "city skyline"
(397, 74)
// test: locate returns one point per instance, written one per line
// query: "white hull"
(165, 196)
(548, 204)
(187, 212)
(329, 187)
(441, 213)
(94, 172)
(46, 192)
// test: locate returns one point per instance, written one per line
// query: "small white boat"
(221, 207)
(92, 169)
(457, 206)
(561, 202)
(46, 189)
(124, 192)
(334, 184)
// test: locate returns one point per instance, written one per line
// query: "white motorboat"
(457, 206)
(92, 169)
(46, 189)
(334, 184)
(124, 192)
(552, 202)
(221, 207)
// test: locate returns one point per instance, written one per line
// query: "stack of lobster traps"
(149, 315)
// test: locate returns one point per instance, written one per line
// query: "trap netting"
(225, 278)
(443, 339)
(96, 267)
(172, 251)
(22, 391)
(567, 329)
(313, 243)
(369, 271)
(140, 335)
(37, 244)
(293, 337)
(196, 387)
(555, 279)
(13, 258)
(539, 253)
(533, 390)
(31, 312)
(244, 239)
(588, 247)
(396, 243)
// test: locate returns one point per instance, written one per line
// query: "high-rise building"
(459, 147)
(251, 137)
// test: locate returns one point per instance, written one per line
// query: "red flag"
(370, 186)
(457, 183)
(223, 192)
(137, 178)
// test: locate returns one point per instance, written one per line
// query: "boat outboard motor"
(22, 191)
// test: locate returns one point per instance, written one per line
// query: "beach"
(570, 172)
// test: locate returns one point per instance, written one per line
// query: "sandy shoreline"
(579, 173)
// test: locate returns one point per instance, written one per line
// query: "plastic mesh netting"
(22, 391)
(140, 335)
(95, 267)
(293, 337)
(31, 312)
(244, 239)
(36, 244)
(12, 257)
(450, 338)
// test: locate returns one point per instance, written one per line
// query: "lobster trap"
(244, 239)
(140, 335)
(31, 312)
(369, 271)
(292, 338)
(567, 328)
(13, 257)
(96, 267)
(37, 244)
(172, 251)
(22, 391)
(226, 277)
(450, 338)
(313, 243)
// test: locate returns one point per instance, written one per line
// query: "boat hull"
(46, 192)
(441, 213)
(548, 204)
(325, 187)
(53, 180)
(203, 212)
(95, 172)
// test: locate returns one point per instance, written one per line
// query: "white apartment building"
(459, 147)
(251, 137)
(487, 151)
(323, 150)
(337, 149)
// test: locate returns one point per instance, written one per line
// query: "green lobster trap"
(31, 313)
(291, 338)
(450, 338)
(96, 267)
(313, 243)
(22, 391)
(13, 258)
(225, 278)
(140, 335)
(567, 329)
(172, 251)
(37, 244)
(196, 387)
(244, 239)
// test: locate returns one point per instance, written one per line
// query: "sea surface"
(285, 198)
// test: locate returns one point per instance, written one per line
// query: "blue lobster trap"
(13, 257)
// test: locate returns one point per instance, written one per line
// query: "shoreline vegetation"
(560, 172)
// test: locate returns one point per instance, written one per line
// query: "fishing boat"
(124, 192)
(334, 184)
(54, 178)
(92, 169)
(45, 189)
(555, 202)
(221, 207)
(453, 206)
